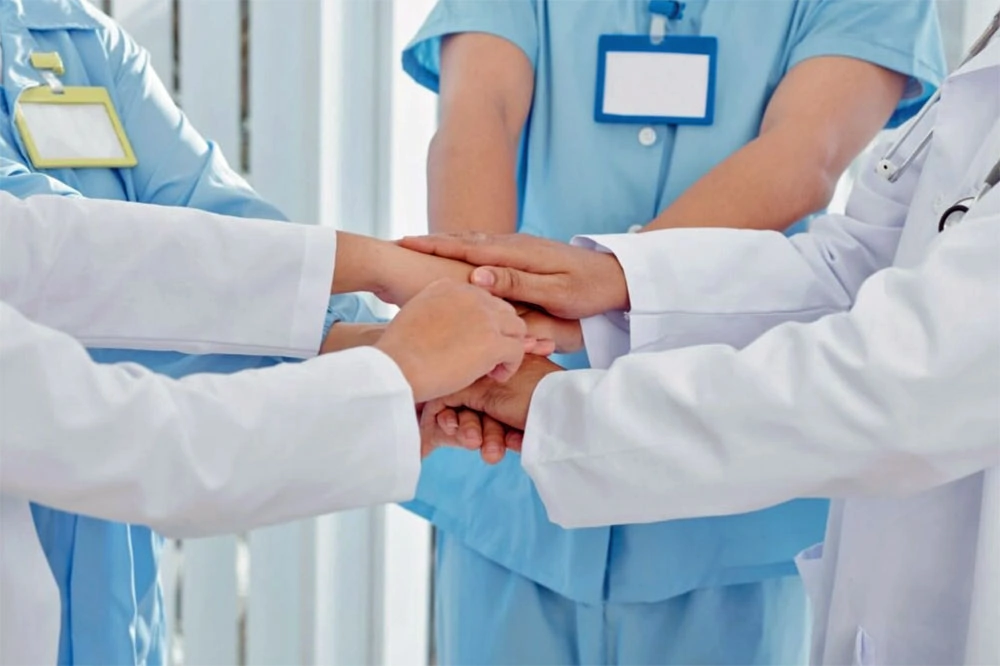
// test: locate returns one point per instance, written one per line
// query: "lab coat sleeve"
(895, 396)
(207, 453)
(163, 273)
(701, 286)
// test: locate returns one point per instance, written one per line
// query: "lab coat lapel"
(988, 59)
(983, 643)
(29, 598)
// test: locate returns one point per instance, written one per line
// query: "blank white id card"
(672, 82)
(78, 128)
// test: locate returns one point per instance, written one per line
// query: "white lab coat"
(889, 398)
(201, 455)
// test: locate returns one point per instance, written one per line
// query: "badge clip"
(663, 11)
(50, 65)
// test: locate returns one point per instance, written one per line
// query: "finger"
(565, 333)
(494, 447)
(502, 373)
(474, 248)
(541, 348)
(511, 325)
(447, 420)
(514, 440)
(470, 429)
(512, 354)
(431, 437)
(515, 285)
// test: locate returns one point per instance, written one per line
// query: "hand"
(565, 335)
(566, 281)
(452, 334)
(345, 335)
(470, 430)
(506, 402)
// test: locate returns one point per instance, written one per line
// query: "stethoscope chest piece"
(954, 214)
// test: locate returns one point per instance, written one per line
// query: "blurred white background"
(308, 99)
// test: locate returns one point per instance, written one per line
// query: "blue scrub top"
(108, 572)
(580, 177)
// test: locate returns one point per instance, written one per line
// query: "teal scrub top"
(576, 176)
(107, 573)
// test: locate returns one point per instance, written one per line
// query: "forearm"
(274, 277)
(834, 408)
(390, 272)
(471, 176)
(823, 113)
(770, 183)
(225, 449)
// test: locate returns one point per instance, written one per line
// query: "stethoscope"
(954, 213)
(888, 168)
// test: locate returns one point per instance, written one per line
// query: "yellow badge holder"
(54, 92)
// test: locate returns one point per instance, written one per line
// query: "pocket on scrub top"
(864, 649)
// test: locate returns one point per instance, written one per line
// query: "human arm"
(896, 396)
(822, 114)
(230, 452)
(847, 70)
(164, 291)
(163, 274)
(226, 452)
(679, 287)
(485, 95)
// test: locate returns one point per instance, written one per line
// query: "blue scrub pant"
(486, 614)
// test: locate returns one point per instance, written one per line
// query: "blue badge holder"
(689, 44)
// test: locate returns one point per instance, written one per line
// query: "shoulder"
(62, 15)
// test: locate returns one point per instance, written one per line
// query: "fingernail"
(472, 437)
(483, 277)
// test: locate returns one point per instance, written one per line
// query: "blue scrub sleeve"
(901, 35)
(348, 308)
(513, 20)
(177, 166)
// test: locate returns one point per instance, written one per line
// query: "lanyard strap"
(663, 11)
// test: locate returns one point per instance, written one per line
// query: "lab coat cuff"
(318, 259)
(605, 336)
(403, 443)
(649, 279)
(551, 459)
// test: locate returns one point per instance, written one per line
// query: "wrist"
(614, 292)
(348, 336)
(360, 264)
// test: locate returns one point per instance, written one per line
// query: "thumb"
(514, 285)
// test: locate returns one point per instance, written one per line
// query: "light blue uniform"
(107, 572)
(513, 587)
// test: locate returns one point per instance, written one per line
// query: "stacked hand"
(553, 285)
(565, 281)
(460, 346)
